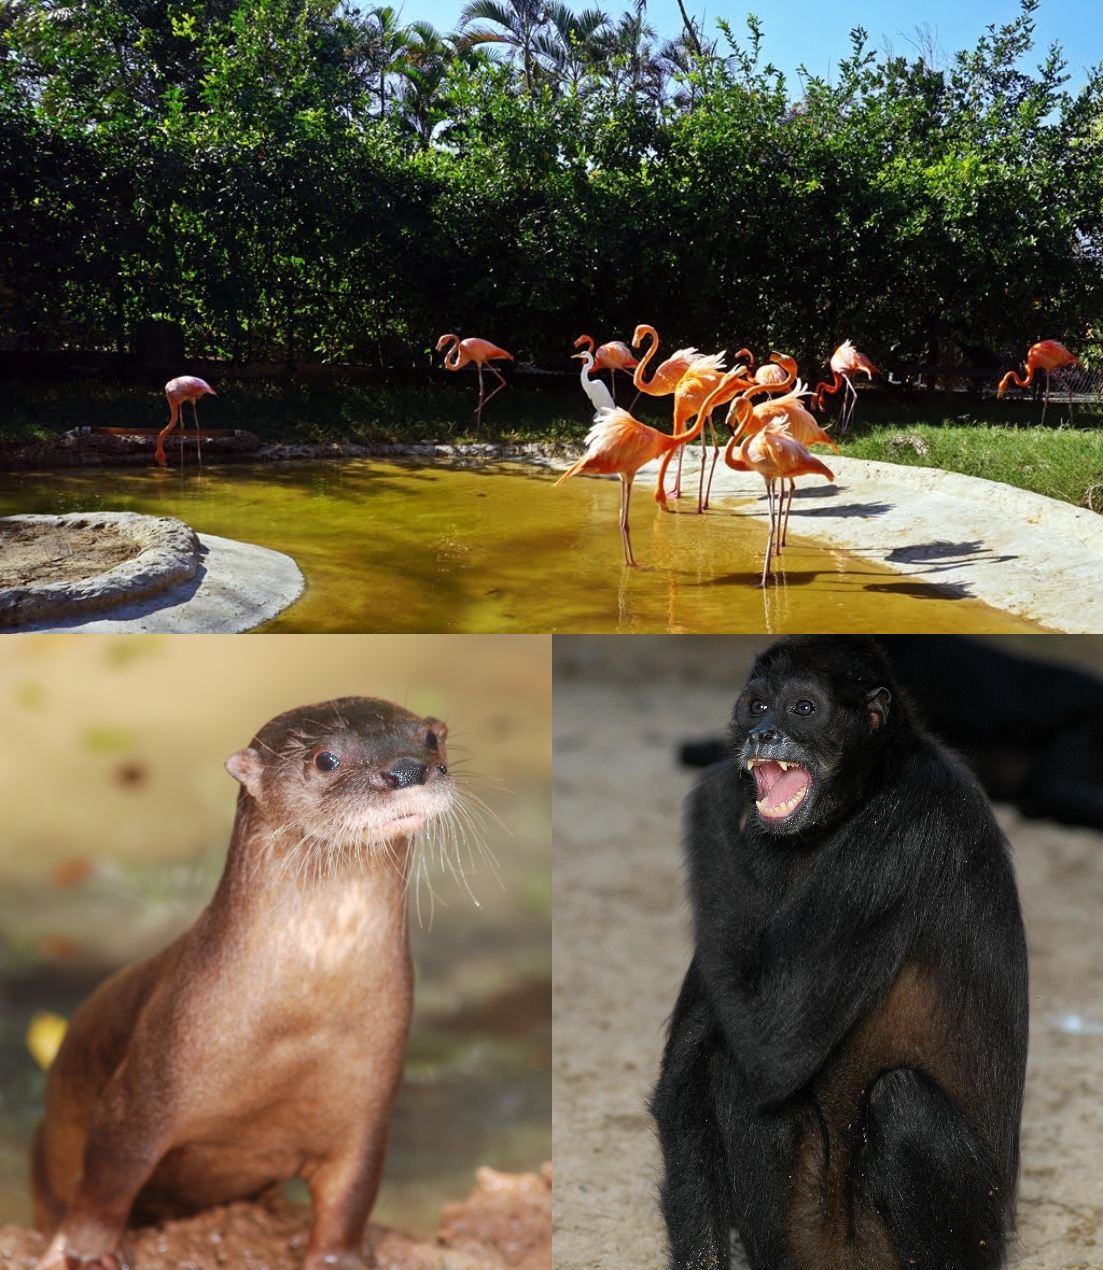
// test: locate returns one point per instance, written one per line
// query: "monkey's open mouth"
(781, 786)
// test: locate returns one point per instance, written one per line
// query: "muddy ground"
(505, 1224)
(621, 946)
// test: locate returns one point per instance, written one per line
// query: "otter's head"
(355, 772)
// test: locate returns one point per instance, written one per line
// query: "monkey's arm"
(788, 978)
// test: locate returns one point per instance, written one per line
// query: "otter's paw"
(59, 1256)
(316, 1260)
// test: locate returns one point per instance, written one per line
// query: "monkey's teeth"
(784, 766)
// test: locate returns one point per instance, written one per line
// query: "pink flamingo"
(693, 388)
(183, 388)
(482, 353)
(1047, 355)
(846, 362)
(619, 445)
(775, 456)
(614, 356)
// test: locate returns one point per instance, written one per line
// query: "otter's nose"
(403, 772)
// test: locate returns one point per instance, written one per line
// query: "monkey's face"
(794, 739)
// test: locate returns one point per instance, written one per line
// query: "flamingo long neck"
(174, 412)
(652, 349)
(452, 357)
(588, 340)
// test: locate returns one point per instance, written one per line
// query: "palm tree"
(573, 46)
(386, 42)
(520, 25)
(422, 99)
(632, 65)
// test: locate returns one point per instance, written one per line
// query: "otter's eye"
(758, 707)
(326, 762)
(431, 741)
(803, 707)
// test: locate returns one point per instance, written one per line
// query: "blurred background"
(115, 815)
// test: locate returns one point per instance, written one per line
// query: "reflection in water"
(393, 546)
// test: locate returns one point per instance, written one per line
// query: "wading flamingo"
(693, 388)
(482, 353)
(1048, 355)
(618, 445)
(614, 356)
(846, 362)
(601, 397)
(775, 456)
(774, 376)
(184, 388)
(789, 412)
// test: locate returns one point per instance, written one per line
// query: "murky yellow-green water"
(388, 546)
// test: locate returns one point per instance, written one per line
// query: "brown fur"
(267, 1042)
(907, 1029)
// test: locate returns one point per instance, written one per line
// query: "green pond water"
(405, 546)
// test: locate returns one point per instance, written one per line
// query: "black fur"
(808, 932)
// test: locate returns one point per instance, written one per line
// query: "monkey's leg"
(694, 1196)
(925, 1171)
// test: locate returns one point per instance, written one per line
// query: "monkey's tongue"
(780, 791)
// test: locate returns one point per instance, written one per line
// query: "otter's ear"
(877, 703)
(439, 729)
(246, 766)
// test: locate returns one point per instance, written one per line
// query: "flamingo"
(482, 353)
(601, 397)
(846, 362)
(789, 412)
(614, 356)
(776, 456)
(778, 372)
(665, 379)
(1047, 355)
(695, 385)
(776, 375)
(619, 445)
(183, 388)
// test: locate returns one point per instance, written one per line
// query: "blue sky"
(815, 32)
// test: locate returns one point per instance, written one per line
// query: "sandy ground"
(621, 946)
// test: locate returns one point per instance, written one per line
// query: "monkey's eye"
(759, 707)
(803, 707)
(326, 762)
(431, 741)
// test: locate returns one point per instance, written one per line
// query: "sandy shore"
(621, 946)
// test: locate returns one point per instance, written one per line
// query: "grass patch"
(1063, 463)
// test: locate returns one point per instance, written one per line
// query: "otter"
(267, 1042)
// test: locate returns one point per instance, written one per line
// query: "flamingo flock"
(770, 436)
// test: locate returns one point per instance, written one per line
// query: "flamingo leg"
(770, 535)
(1045, 399)
(702, 494)
(625, 495)
(494, 371)
(788, 507)
(712, 471)
(1068, 385)
(479, 407)
(198, 445)
(676, 492)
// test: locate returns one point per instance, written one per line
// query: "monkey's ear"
(877, 703)
(246, 766)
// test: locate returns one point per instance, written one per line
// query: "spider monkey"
(842, 1081)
